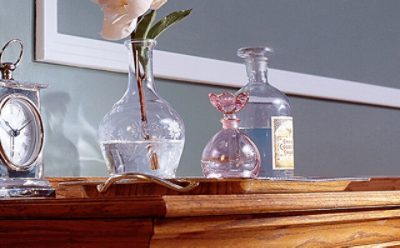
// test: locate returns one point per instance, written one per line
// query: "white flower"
(156, 4)
(120, 16)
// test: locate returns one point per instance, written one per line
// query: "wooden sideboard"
(228, 213)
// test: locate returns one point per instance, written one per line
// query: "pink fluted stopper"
(229, 103)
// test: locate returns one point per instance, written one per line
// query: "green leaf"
(167, 22)
(144, 25)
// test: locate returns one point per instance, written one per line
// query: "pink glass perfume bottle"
(230, 153)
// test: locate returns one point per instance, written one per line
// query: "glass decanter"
(267, 117)
(142, 132)
(230, 153)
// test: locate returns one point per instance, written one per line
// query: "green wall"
(331, 138)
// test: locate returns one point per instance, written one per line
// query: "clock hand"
(23, 126)
(13, 132)
(12, 146)
(6, 126)
(16, 132)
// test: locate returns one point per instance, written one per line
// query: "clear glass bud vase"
(142, 132)
(267, 117)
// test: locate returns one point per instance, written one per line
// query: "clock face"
(21, 134)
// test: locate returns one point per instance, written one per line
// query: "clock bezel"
(38, 121)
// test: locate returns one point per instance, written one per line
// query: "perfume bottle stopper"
(229, 104)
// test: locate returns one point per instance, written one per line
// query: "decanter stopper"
(230, 153)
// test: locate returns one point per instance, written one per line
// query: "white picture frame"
(58, 48)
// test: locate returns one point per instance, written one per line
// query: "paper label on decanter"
(282, 143)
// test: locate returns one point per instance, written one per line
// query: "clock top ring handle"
(6, 68)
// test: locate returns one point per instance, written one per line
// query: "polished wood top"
(217, 213)
(78, 198)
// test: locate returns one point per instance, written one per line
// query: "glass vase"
(267, 117)
(142, 133)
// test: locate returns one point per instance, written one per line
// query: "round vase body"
(230, 154)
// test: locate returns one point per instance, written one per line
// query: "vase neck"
(141, 65)
(256, 63)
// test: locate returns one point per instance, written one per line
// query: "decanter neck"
(140, 65)
(257, 69)
(256, 63)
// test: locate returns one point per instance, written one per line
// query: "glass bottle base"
(158, 158)
(25, 187)
(282, 174)
(212, 170)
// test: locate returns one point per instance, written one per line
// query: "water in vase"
(128, 156)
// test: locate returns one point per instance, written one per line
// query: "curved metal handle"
(168, 184)
(20, 53)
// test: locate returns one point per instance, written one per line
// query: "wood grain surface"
(145, 206)
(86, 187)
(304, 230)
(219, 213)
(170, 227)
(321, 235)
(379, 245)
(80, 187)
(202, 205)
(74, 233)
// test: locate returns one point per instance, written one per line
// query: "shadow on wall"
(90, 157)
(61, 156)
(71, 146)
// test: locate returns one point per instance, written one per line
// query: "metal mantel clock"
(21, 134)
